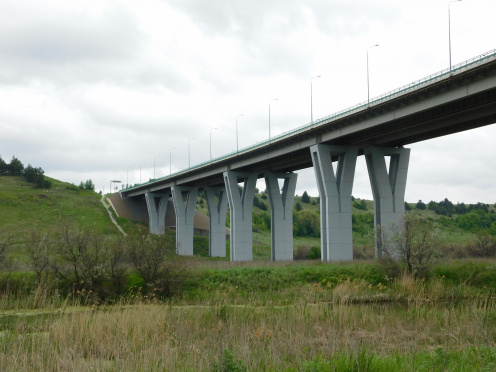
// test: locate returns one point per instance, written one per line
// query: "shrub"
(314, 253)
(301, 253)
(411, 246)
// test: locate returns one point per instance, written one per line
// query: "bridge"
(446, 102)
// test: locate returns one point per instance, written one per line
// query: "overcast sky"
(96, 89)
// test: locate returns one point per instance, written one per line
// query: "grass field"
(280, 317)
(231, 316)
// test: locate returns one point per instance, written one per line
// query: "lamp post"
(211, 129)
(189, 153)
(237, 143)
(368, 85)
(111, 182)
(144, 161)
(311, 98)
(449, 29)
(154, 158)
(170, 161)
(274, 99)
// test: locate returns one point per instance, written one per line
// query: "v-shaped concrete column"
(335, 199)
(281, 219)
(241, 207)
(217, 211)
(156, 212)
(388, 188)
(185, 213)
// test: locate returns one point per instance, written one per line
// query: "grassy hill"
(24, 208)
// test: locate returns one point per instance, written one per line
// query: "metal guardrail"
(462, 66)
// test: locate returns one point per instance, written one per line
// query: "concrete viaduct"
(446, 102)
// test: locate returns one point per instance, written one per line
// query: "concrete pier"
(388, 188)
(241, 207)
(335, 199)
(217, 211)
(185, 205)
(281, 219)
(157, 208)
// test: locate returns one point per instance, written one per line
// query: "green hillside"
(24, 208)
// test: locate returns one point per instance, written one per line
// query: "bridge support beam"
(217, 211)
(281, 219)
(241, 207)
(156, 204)
(335, 199)
(388, 188)
(185, 205)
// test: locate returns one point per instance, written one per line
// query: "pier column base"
(217, 210)
(241, 207)
(184, 199)
(281, 219)
(335, 199)
(156, 204)
(388, 188)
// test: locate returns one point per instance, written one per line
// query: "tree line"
(32, 174)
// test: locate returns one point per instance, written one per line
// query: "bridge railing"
(347, 111)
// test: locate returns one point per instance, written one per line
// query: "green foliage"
(15, 167)
(360, 204)
(305, 198)
(263, 206)
(261, 221)
(363, 223)
(36, 176)
(4, 167)
(227, 363)
(298, 207)
(314, 253)
(89, 185)
(412, 246)
(256, 202)
(306, 223)
(420, 205)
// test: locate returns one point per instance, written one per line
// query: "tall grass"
(321, 327)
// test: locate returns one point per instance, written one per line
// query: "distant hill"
(24, 207)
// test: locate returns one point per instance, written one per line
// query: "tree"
(420, 205)
(256, 202)
(4, 167)
(298, 206)
(305, 198)
(15, 167)
(89, 185)
(411, 246)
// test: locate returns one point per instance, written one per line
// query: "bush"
(411, 246)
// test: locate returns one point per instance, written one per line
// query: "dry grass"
(320, 322)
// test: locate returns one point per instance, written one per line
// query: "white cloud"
(96, 89)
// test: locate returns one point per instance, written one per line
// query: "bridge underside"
(448, 104)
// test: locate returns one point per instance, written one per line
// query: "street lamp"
(144, 161)
(274, 99)
(189, 158)
(170, 161)
(155, 157)
(111, 182)
(211, 129)
(311, 98)
(237, 143)
(449, 30)
(368, 86)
